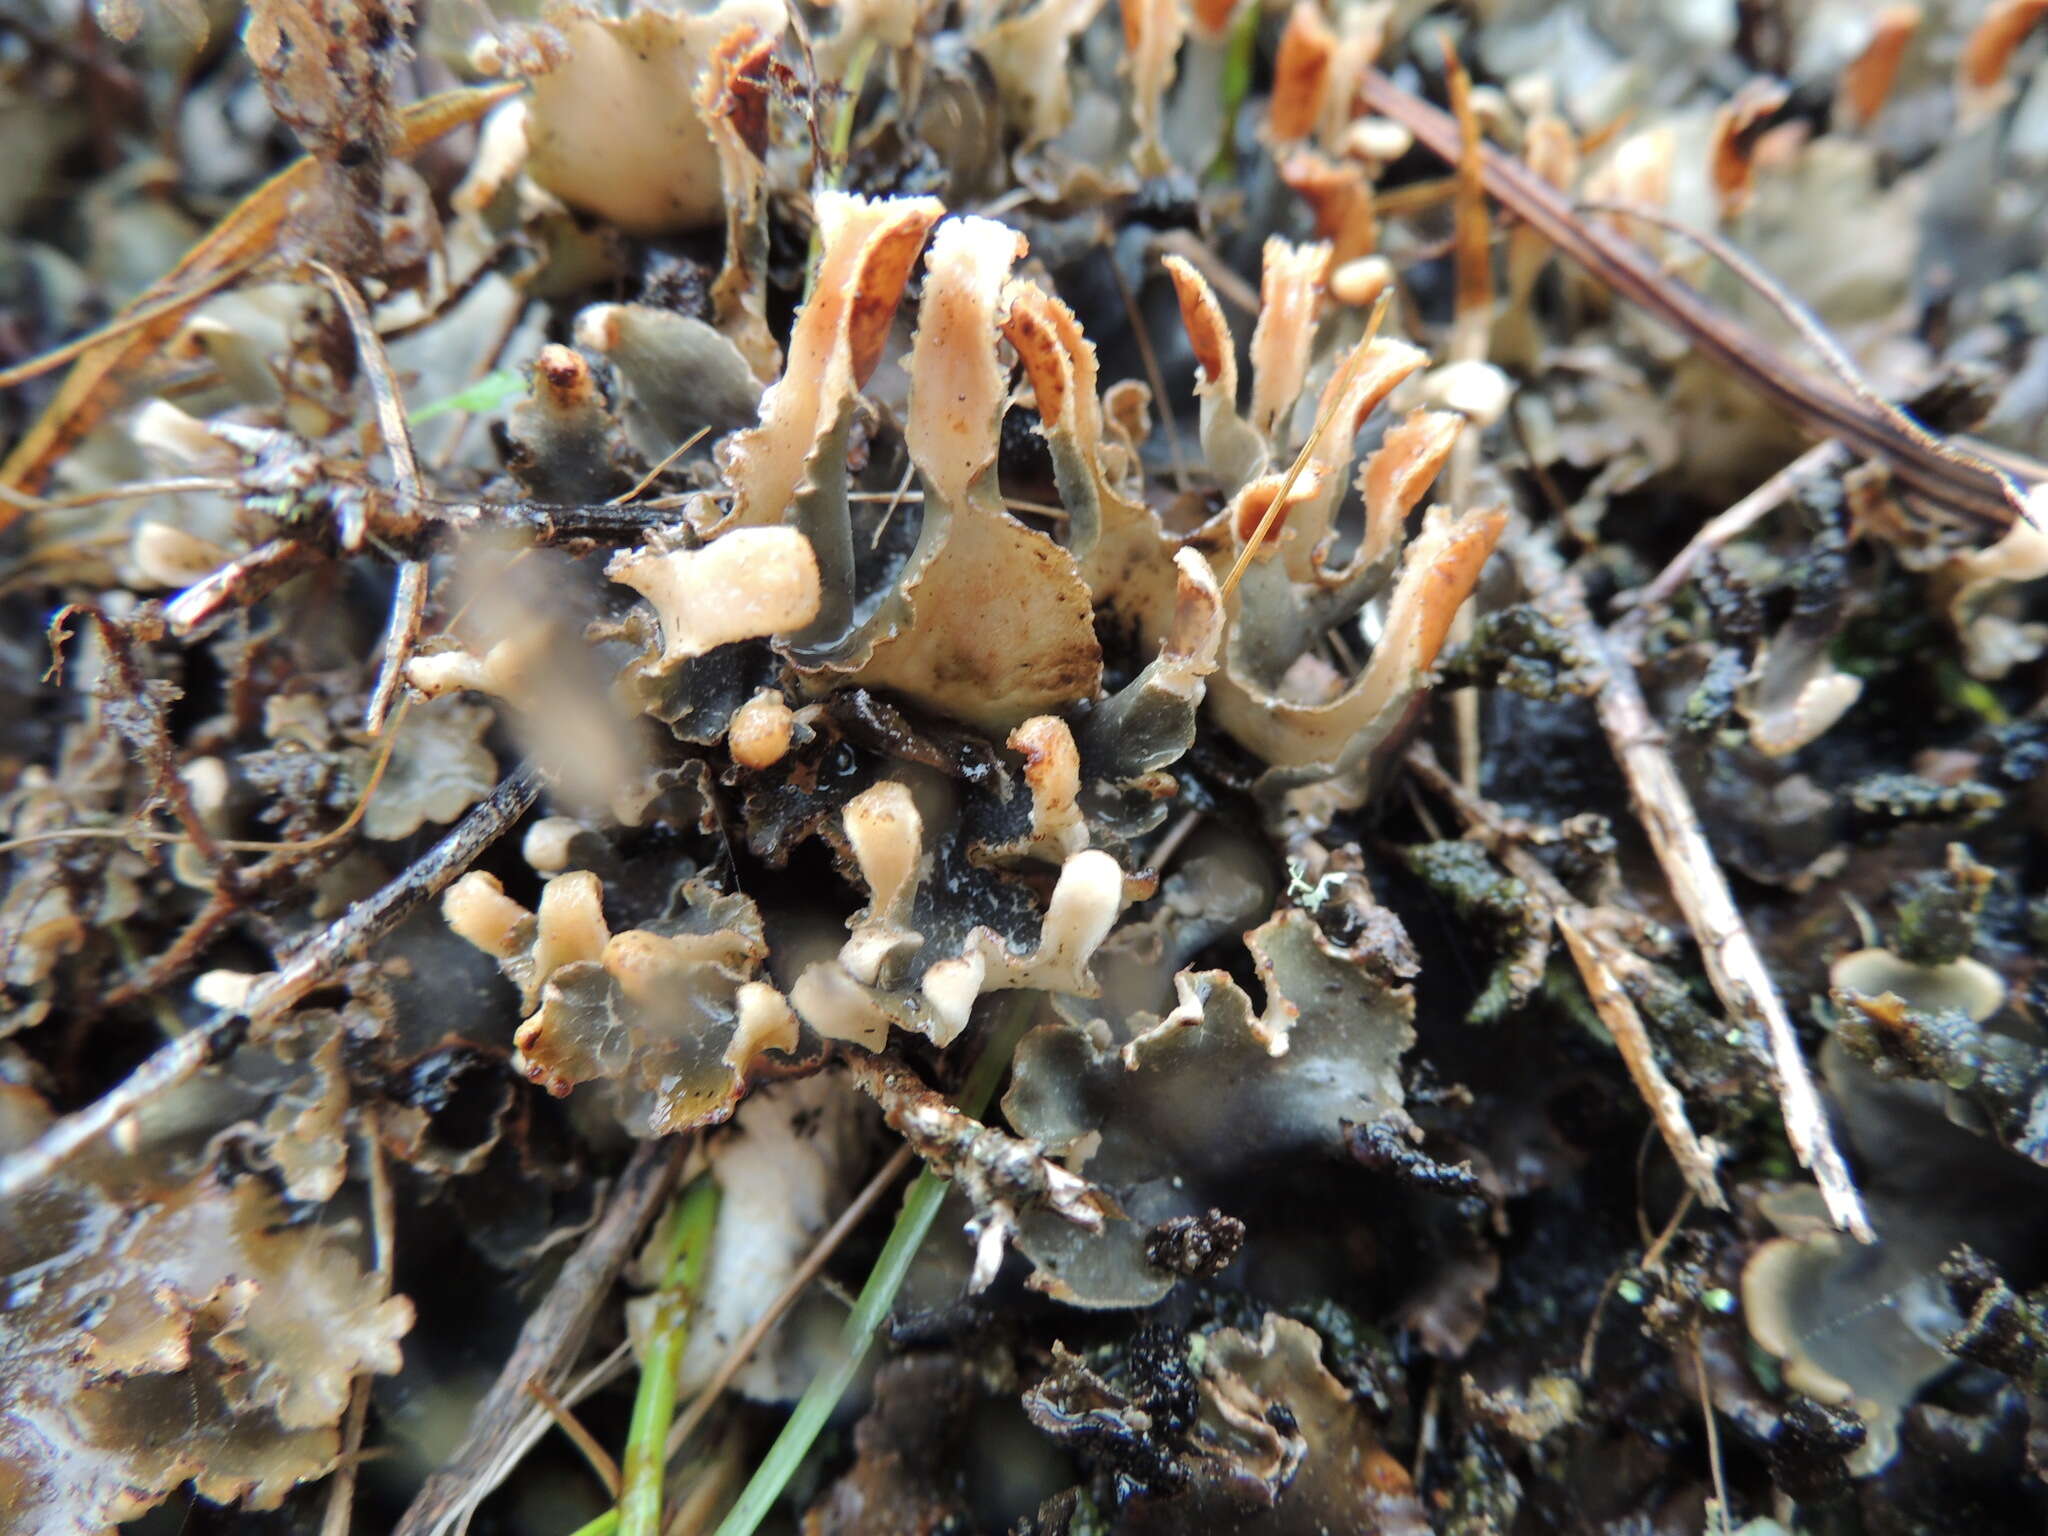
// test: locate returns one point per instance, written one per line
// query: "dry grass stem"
(1727, 950)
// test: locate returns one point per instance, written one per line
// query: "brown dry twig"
(1728, 952)
(998, 1172)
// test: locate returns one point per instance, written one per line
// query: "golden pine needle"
(1336, 397)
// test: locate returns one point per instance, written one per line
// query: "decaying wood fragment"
(999, 1173)
(409, 600)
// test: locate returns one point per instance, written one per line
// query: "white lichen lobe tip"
(478, 909)
(765, 1022)
(547, 843)
(761, 730)
(744, 585)
(887, 835)
(572, 926)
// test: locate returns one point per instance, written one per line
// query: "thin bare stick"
(342, 941)
(549, 1342)
(1738, 519)
(1176, 835)
(1594, 952)
(401, 635)
(600, 1459)
(656, 473)
(376, 369)
(409, 599)
(243, 580)
(1823, 406)
(896, 499)
(1729, 953)
(821, 1253)
(140, 490)
(1696, 1157)
(1815, 335)
(1653, 1256)
(341, 1493)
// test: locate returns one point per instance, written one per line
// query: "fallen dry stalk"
(548, 1344)
(1730, 956)
(409, 598)
(1593, 951)
(1696, 1158)
(1950, 481)
(314, 962)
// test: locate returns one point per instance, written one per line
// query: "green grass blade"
(685, 1248)
(920, 1209)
